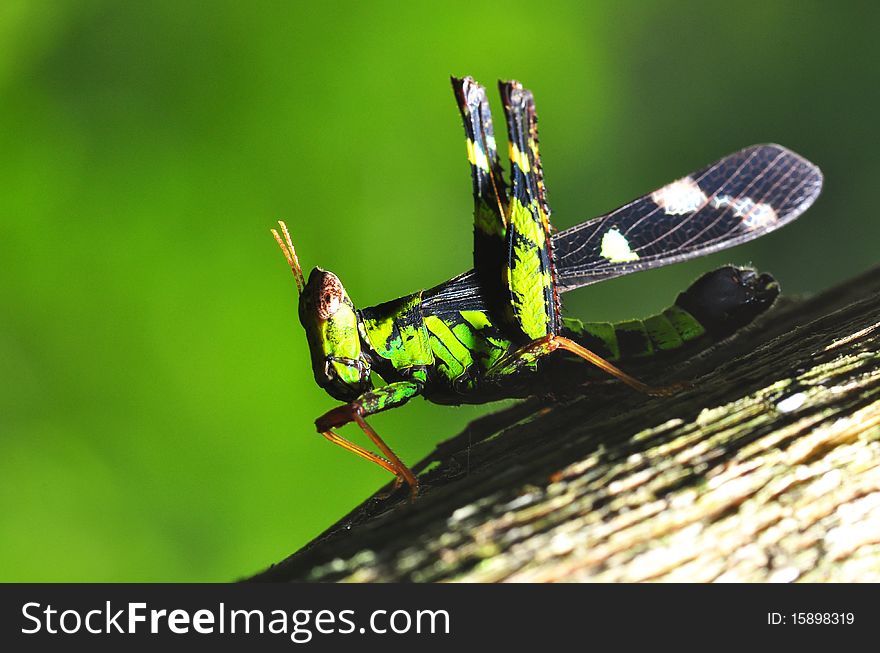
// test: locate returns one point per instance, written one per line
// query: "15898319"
(811, 618)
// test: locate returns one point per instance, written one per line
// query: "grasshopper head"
(331, 324)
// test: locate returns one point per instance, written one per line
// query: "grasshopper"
(492, 332)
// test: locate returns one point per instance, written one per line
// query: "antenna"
(287, 247)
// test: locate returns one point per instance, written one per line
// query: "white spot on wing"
(762, 215)
(755, 215)
(615, 247)
(679, 197)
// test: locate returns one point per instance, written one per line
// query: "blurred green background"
(157, 407)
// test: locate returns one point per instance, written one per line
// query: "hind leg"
(528, 355)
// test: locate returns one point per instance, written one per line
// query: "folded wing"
(737, 199)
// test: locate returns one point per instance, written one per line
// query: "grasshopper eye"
(329, 297)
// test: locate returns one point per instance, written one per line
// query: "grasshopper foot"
(354, 412)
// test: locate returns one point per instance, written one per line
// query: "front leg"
(369, 403)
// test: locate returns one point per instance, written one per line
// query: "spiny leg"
(591, 357)
(374, 401)
(391, 463)
(529, 355)
(405, 474)
(529, 275)
(335, 438)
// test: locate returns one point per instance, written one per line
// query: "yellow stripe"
(519, 158)
(476, 156)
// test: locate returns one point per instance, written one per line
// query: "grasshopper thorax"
(331, 323)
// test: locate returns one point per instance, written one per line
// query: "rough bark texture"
(768, 469)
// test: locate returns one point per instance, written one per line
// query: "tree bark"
(768, 469)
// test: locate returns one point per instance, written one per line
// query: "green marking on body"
(663, 333)
(409, 346)
(447, 347)
(606, 333)
(686, 324)
(477, 319)
(573, 324)
(615, 247)
(488, 349)
(379, 332)
(388, 396)
(398, 393)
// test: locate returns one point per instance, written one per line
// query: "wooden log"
(768, 469)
